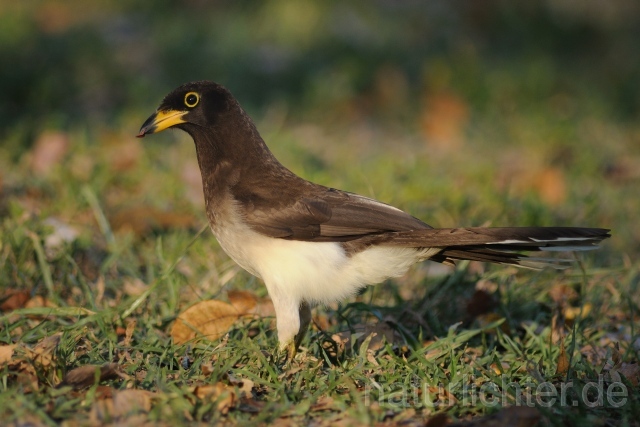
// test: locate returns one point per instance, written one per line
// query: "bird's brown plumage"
(250, 195)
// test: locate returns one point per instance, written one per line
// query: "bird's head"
(189, 107)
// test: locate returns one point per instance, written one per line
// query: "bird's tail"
(503, 245)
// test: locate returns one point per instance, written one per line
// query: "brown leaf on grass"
(43, 353)
(128, 333)
(86, 376)
(248, 304)
(205, 320)
(207, 368)
(244, 384)
(324, 403)
(563, 360)
(631, 371)
(595, 356)
(562, 294)
(48, 151)
(6, 352)
(126, 407)
(221, 394)
(13, 299)
(21, 369)
(244, 301)
(39, 301)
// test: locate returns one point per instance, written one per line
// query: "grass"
(140, 254)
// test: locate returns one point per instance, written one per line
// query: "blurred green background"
(70, 62)
(522, 113)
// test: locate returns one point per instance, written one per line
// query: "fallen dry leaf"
(14, 299)
(6, 352)
(563, 360)
(244, 384)
(562, 293)
(39, 301)
(221, 394)
(248, 304)
(631, 371)
(43, 353)
(126, 407)
(324, 403)
(207, 319)
(245, 302)
(207, 368)
(86, 376)
(594, 355)
(128, 333)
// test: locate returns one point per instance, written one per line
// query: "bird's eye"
(191, 99)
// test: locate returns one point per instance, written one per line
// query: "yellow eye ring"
(191, 99)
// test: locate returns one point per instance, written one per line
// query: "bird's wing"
(328, 215)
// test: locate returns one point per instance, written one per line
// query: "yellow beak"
(160, 121)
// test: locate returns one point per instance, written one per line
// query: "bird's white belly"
(316, 272)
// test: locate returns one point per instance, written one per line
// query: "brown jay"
(314, 244)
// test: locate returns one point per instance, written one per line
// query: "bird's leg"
(287, 321)
(305, 319)
(293, 319)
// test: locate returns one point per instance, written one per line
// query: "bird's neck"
(234, 158)
(238, 143)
